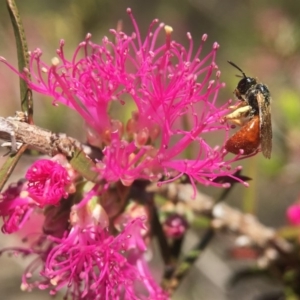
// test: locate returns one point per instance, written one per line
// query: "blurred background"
(262, 37)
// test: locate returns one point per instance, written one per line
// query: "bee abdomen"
(247, 138)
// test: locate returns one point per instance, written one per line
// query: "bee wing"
(265, 124)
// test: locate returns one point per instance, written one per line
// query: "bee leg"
(239, 122)
(238, 116)
(238, 105)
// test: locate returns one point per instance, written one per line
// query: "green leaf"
(23, 58)
(9, 166)
(84, 165)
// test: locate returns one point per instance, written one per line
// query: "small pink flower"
(47, 182)
(293, 214)
(175, 226)
(15, 206)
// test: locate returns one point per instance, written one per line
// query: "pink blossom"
(47, 182)
(15, 206)
(293, 214)
(175, 96)
(175, 226)
(93, 264)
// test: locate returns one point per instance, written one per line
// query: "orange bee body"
(247, 138)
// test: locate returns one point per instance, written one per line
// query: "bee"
(253, 113)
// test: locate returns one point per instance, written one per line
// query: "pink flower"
(293, 214)
(93, 264)
(47, 182)
(175, 226)
(15, 206)
(175, 97)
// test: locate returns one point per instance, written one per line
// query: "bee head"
(244, 84)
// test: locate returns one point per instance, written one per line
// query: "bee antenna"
(234, 65)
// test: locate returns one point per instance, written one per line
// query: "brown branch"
(224, 217)
(17, 130)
